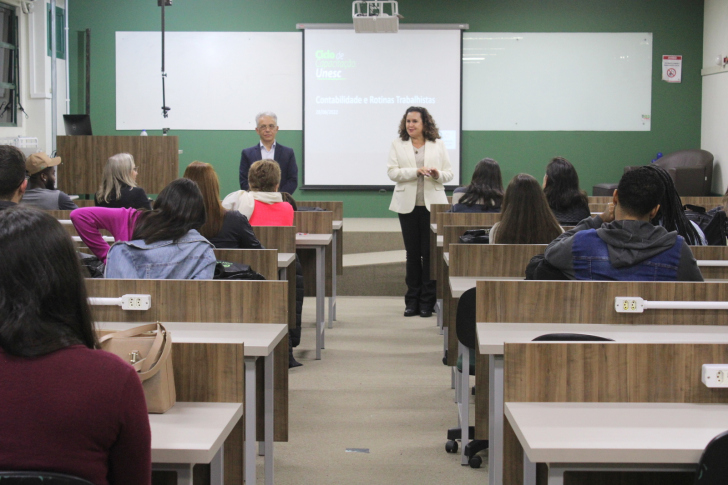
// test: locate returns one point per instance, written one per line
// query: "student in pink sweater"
(161, 244)
(67, 407)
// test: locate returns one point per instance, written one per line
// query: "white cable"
(685, 305)
(104, 301)
(712, 262)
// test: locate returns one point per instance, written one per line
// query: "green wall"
(677, 27)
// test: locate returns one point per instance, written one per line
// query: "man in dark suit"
(267, 128)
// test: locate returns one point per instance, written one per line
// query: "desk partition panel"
(583, 302)
(264, 261)
(314, 223)
(605, 372)
(223, 301)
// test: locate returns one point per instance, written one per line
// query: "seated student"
(159, 244)
(622, 244)
(526, 217)
(223, 228)
(485, 192)
(118, 187)
(267, 207)
(66, 406)
(561, 186)
(262, 204)
(12, 176)
(41, 192)
(671, 215)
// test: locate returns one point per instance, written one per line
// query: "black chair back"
(39, 478)
(570, 337)
(465, 319)
(713, 465)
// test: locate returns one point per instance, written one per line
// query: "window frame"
(13, 48)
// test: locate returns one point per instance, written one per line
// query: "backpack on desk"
(225, 270)
(713, 223)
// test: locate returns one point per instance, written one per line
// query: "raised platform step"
(374, 258)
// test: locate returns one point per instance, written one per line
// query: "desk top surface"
(460, 284)
(433, 228)
(616, 432)
(312, 239)
(285, 259)
(337, 225)
(492, 336)
(440, 241)
(192, 432)
(259, 339)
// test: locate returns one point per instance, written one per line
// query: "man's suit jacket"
(285, 158)
(402, 169)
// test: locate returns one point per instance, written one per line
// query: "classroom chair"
(39, 478)
(713, 466)
(465, 328)
(570, 337)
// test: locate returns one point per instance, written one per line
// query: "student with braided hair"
(671, 215)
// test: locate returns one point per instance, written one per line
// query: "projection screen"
(356, 90)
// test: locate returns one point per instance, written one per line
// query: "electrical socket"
(715, 375)
(627, 304)
(136, 302)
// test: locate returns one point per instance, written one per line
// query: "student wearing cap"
(41, 192)
(12, 176)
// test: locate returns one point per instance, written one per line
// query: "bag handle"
(148, 366)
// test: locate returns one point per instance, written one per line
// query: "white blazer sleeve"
(395, 171)
(446, 174)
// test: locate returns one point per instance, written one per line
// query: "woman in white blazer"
(420, 166)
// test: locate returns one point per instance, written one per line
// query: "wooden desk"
(259, 341)
(318, 242)
(192, 433)
(319, 222)
(613, 436)
(492, 338)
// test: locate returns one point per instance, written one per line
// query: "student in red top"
(263, 205)
(67, 407)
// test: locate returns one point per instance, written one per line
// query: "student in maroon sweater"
(66, 407)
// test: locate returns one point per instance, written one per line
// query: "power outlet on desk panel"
(627, 304)
(715, 375)
(136, 302)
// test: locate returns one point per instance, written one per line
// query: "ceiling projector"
(375, 16)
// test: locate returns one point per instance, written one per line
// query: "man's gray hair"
(266, 113)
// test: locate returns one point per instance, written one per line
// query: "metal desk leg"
(529, 471)
(269, 410)
(495, 420)
(320, 297)
(217, 467)
(440, 318)
(332, 298)
(283, 274)
(250, 439)
(464, 402)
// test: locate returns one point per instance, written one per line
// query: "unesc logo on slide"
(330, 66)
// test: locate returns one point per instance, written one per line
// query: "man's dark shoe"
(411, 310)
(425, 313)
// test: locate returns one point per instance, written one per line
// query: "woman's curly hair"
(429, 128)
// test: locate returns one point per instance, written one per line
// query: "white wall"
(35, 78)
(714, 132)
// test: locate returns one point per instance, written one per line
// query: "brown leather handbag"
(148, 348)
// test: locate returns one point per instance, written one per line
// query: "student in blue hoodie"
(622, 243)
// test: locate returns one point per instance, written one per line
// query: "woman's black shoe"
(411, 310)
